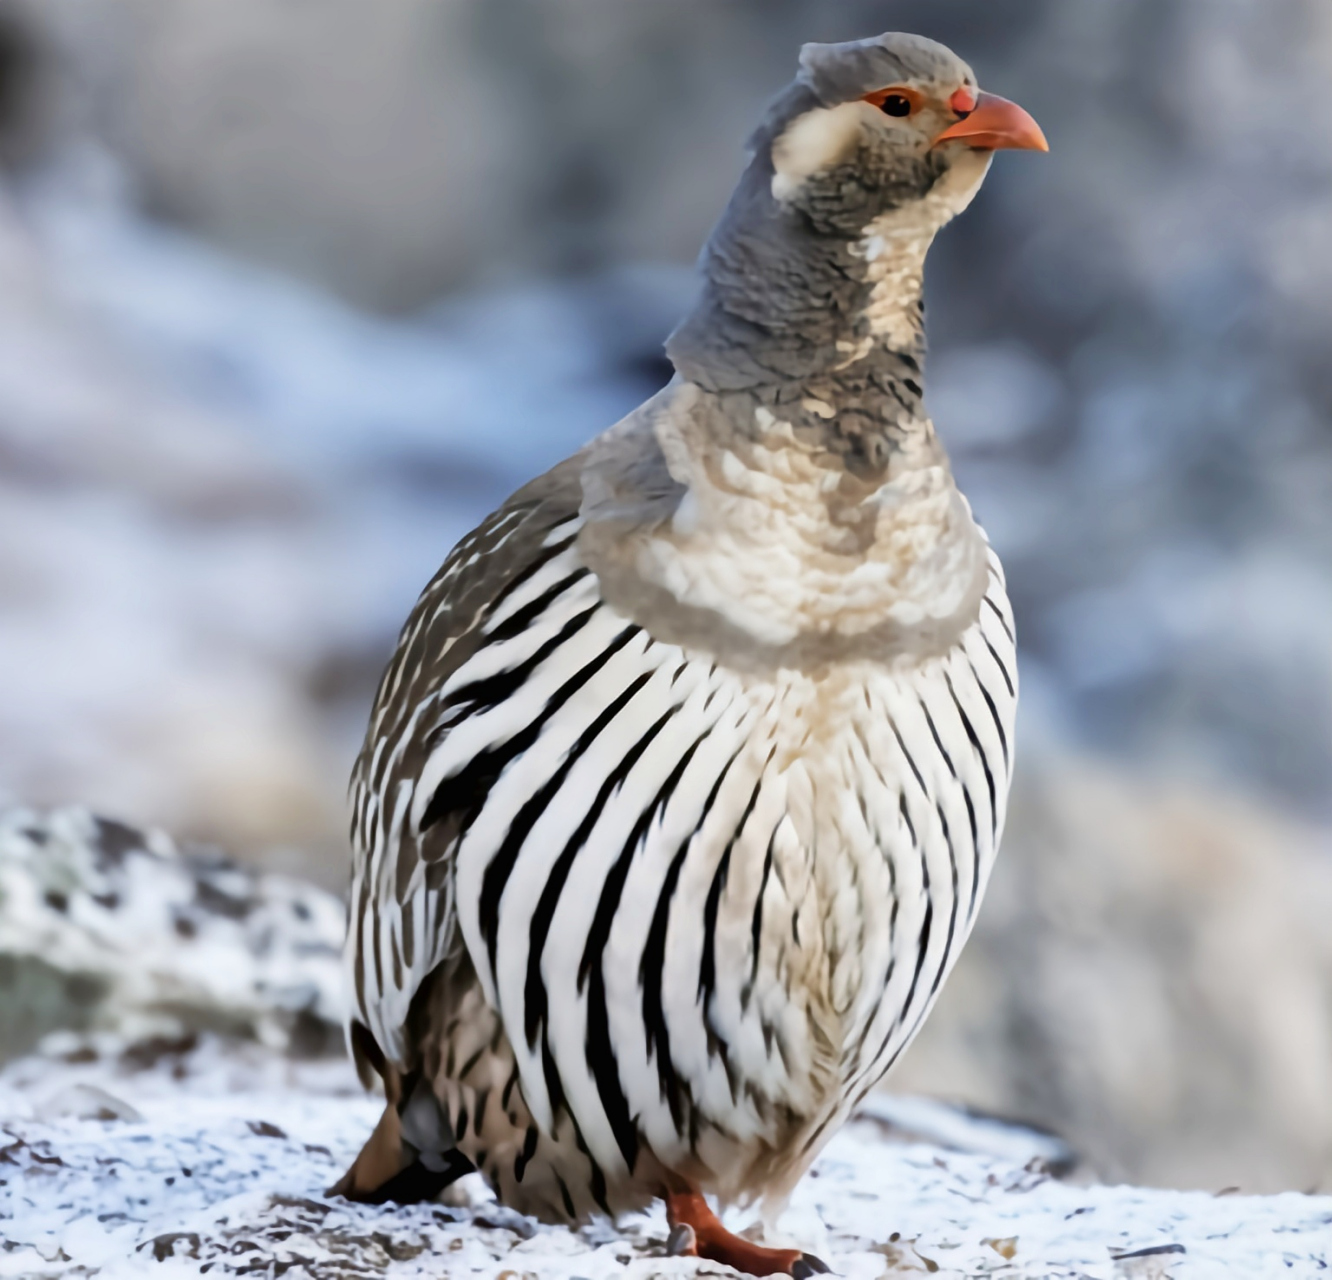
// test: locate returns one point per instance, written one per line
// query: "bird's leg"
(697, 1232)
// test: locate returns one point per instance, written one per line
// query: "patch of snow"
(226, 1170)
(960, 1129)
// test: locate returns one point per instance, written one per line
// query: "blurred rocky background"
(292, 293)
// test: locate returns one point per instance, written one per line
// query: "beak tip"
(996, 125)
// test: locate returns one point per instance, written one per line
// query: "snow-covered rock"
(117, 931)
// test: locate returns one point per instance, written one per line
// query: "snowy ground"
(148, 1143)
(214, 1159)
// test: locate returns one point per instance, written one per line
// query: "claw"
(696, 1231)
(808, 1265)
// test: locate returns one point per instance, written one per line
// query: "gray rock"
(85, 1102)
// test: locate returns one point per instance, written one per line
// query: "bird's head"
(878, 125)
(819, 255)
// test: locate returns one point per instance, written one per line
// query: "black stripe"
(598, 1187)
(602, 1063)
(465, 792)
(994, 712)
(525, 1155)
(891, 967)
(1003, 622)
(365, 1049)
(650, 979)
(897, 733)
(374, 947)
(557, 1105)
(922, 946)
(535, 999)
(564, 1195)
(938, 742)
(490, 691)
(906, 817)
(598, 1176)
(952, 910)
(501, 864)
(911, 406)
(756, 923)
(971, 813)
(948, 946)
(466, 1069)
(653, 963)
(421, 647)
(539, 560)
(999, 662)
(554, 1085)
(707, 969)
(975, 852)
(980, 753)
(407, 933)
(707, 972)
(893, 919)
(374, 784)
(362, 912)
(404, 867)
(619, 872)
(522, 618)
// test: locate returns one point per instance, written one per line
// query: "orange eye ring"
(897, 100)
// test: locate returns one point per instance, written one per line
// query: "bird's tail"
(410, 1156)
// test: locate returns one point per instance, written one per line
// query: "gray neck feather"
(781, 316)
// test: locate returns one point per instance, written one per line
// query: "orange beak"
(996, 125)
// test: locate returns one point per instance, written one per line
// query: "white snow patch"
(227, 1170)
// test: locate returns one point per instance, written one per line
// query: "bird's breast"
(767, 563)
(850, 868)
(711, 902)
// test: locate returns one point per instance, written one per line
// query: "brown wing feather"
(441, 632)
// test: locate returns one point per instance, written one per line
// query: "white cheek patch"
(815, 141)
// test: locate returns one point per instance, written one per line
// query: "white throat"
(895, 245)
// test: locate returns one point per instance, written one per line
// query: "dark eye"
(896, 104)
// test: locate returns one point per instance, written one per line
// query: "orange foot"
(697, 1232)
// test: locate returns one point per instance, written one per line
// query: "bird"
(682, 788)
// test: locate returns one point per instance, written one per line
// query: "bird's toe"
(682, 1242)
